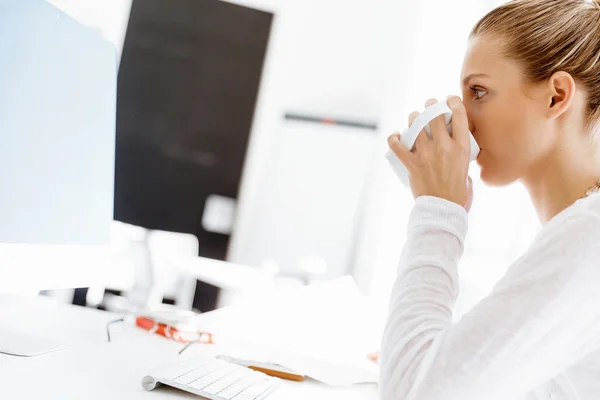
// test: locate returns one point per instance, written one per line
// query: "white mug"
(409, 136)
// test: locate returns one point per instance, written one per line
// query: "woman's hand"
(439, 166)
(374, 357)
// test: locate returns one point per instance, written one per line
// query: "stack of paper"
(324, 331)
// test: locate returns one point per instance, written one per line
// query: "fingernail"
(430, 102)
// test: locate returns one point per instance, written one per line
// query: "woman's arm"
(540, 318)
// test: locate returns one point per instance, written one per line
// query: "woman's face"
(507, 122)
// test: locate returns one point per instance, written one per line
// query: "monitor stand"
(23, 345)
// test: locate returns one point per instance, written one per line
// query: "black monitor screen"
(188, 83)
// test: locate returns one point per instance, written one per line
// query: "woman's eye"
(479, 93)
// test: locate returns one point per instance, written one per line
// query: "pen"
(290, 376)
(269, 368)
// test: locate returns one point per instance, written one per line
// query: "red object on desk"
(169, 331)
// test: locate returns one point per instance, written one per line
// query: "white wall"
(333, 58)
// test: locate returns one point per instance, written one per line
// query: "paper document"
(323, 331)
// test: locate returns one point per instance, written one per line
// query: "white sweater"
(536, 336)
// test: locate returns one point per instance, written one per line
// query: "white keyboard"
(214, 379)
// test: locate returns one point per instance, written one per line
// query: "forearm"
(423, 295)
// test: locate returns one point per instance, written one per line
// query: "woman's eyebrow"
(471, 76)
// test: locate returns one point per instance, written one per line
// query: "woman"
(531, 98)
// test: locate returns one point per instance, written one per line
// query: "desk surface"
(92, 368)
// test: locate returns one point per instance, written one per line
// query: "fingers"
(469, 203)
(401, 151)
(374, 357)
(439, 131)
(411, 119)
(422, 136)
(437, 125)
(412, 116)
(460, 123)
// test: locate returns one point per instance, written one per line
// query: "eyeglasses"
(166, 331)
(203, 337)
(109, 323)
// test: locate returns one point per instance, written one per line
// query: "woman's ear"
(561, 93)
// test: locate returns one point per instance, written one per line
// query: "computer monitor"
(57, 146)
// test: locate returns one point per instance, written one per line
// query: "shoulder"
(578, 223)
(570, 243)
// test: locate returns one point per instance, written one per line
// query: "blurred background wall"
(303, 198)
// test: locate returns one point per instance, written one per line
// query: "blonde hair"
(547, 36)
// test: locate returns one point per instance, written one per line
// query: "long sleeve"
(539, 319)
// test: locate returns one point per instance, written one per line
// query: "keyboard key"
(267, 392)
(228, 393)
(221, 372)
(178, 369)
(255, 390)
(233, 378)
(225, 382)
(214, 388)
(243, 396)
(200, 384)
(198, 373)
(244, 383)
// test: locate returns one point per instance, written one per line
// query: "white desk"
(91, 368)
